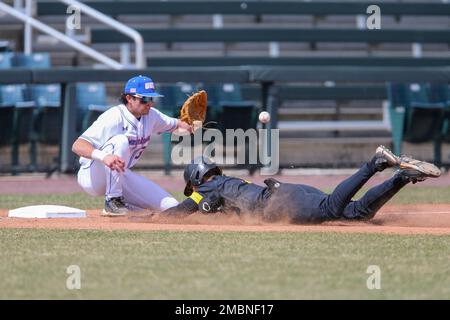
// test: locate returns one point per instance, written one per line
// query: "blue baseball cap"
(141, 86)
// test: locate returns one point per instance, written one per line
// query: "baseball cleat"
(411, 175)
(384, 158)
(115, 207)
(385, 153)
(407, 163)
(426, 168)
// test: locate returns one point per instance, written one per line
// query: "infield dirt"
(397, 219)
(400, 219)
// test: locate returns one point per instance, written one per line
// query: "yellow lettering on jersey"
(197, 197)
(247, 181)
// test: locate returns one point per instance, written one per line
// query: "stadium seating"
(441, 92)
(228, 110)
(170, 104)
(417, 114)
(5, 60)
(296, 61)
(13, 96)
(177, 13)
(173, 26)
(224, 102)
(46, 95)
(125, 7)
(34, 60)
(17, 114)
(10, 95)
(5, 46)
(274, 33)
(45, 113)
(47, 120)
(175, 95)
(91, 102)
(191, 35)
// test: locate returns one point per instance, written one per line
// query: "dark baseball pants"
(306, 204)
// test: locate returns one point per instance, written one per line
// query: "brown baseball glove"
(193, 110)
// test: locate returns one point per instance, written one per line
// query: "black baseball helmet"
(196, 171)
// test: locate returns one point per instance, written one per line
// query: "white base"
(47, 211)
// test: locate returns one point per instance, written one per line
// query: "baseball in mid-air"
(264, 117)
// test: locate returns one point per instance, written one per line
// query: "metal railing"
(140, 61)
(29, 22)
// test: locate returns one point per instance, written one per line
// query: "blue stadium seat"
(43, 95)
(225, 101)
(225, 94)
(230, 94)
(5, 46)
(440, 92)
(46, 118)
(416, 114)
(12, 100)
(166, 103)
(7, 105)
(424, 118)
(7, 102)
(46, 95)
(174, 96)
(34, 60)
(182, 91)
(426, 96)
(170, 104)
(17, 118)
(6, 60)
(91, 102)
(48, 121)
(13, 95)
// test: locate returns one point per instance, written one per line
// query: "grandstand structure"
(325, 76)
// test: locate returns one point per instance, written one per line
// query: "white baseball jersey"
(118, 120)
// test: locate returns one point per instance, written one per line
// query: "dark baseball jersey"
(223, 193)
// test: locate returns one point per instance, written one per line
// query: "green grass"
(202, 265)
(213, 265)
(415, 195)
(418, 195)
(78, 200)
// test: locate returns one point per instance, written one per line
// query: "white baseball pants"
(97, 179)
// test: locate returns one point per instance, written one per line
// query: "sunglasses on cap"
(143, 100)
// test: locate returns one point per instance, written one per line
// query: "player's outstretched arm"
(186, 207)
(85, 149)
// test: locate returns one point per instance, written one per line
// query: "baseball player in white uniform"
(113, 144)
